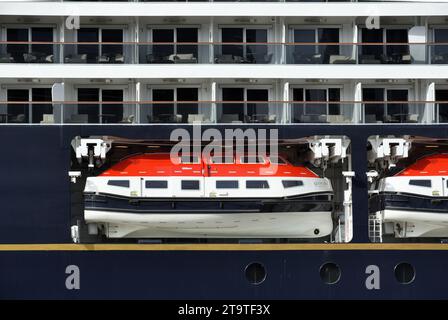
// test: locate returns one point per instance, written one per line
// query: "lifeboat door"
(212, 174)
(444, 187)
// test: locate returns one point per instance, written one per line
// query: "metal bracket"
(91, 149)
(388, 150)
(73, 175)
(328, 150)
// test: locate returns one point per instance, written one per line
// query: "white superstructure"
(141, 62)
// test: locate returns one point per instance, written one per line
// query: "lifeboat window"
(233, 184)
(118, 183)
(420, 183)
(189, 159)
(252, 159)
(257, 184)
(222, 160)
(160, 184)
(190, 184)
(292, 183)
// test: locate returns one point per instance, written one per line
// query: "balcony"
(223, 53)
(201, 0)
(223, 112)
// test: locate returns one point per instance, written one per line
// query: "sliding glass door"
(247, 105)
(320, 105)
(102, 53)
(388, 49)
(23, 113)
(439, 52)
(308, 53)
(170, 43)
(395, 111)
(97, 112)
(257, 52)
(179, 104)
(442, 95)
(91, 51)
(30, 53)
(17, 51)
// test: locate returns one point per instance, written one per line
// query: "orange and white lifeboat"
(415, 201)
(242, 196)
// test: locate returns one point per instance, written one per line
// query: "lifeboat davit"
(415, 200)
(151, 196)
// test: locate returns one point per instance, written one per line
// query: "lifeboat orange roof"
(433, 165)
(160, 164)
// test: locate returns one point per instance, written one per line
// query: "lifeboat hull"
(213, 225)
(413, 224)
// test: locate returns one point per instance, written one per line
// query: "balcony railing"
(223, 53)
(200, 0)
(224, 112)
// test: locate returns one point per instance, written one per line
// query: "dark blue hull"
(35, 209)
(218, 275)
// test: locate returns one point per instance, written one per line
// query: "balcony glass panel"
(17, 51)
(328, 35)
(442, 108)
(179, 105)
(111, 52)
(41, 110)
(42, 52)
(439, 51)
(382, 46)
(89, 51)
(317, 106)
(90, 110)
(18, 112)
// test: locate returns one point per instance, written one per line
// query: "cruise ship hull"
(36, 247)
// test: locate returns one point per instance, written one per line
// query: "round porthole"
(404, 273)
(255, 273)
(330, 273)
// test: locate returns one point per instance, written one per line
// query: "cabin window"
(420, 183)
(229, 184)
(292, 183)
(189, 159)
(257, 184)
(156, 184)
(119, 183)
(221, 160)
(251, 159)
(190, 184)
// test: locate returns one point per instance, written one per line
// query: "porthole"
(404, 273)
(255, 273)
(330, 273)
